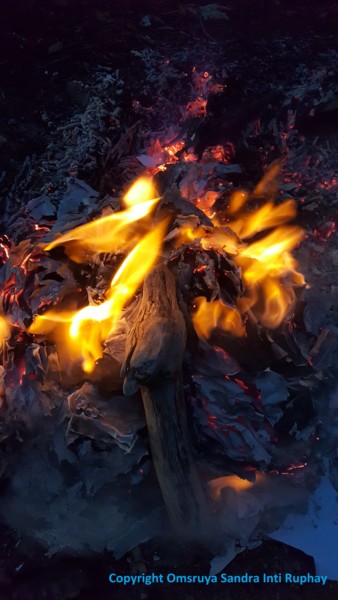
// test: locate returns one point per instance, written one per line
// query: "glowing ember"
(83, 332)
(174, 148)
(196, 108)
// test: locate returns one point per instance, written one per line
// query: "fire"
(270, 256)
(233, 482)
(4, 330)
(241, 486)
(260, 242)
(197, 107)
(265, 217)
(278, 299)
(210, 315)
(258, 237)
(237, 201)
(117, 232)
(83, 332)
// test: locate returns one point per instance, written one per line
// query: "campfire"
(159, 360)
(265, 269)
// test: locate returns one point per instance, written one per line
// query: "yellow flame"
(219, 238)
(82, 332)
(271, 255)
(115, 233)
(237, 200)
(259, 242)
(265, 217)
(4, 330)
(269, 182)
(277, 301)
(269, 271)
(210, 315)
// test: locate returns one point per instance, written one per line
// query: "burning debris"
(162, 348)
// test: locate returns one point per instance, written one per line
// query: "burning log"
(153, 362)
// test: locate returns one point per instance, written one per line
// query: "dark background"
(70, 37)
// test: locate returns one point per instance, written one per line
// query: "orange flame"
(265, 217)
(114, 233)
(4, 330)
(233, 482)
(269, 271)
(83, 332)
(210, 315)
(259, 241)
(237, 201)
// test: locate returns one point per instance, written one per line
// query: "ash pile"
(231, 202)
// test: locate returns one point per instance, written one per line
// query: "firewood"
(154, 355)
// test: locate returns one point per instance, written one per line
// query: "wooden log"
(153, 363)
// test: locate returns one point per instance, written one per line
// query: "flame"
(237, 201)
(269, 271)
(278, 299)
(268, 184)
(258, 239)
(210, 315)
(4, 330)
(265, 217)
(115, 233)
(233, 482)
(83, 332)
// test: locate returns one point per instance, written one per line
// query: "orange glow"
(174, 148)
(210, 315)
(269, 183)
(233, 482)
(216, 486)
(83, 332)
(277, 300)
(196, 108)
(269, 271)
(4, 330)
(164, 155)
(189, 157)
(258, 240)
(215, 153)
(271, 256)
(218, 238)
(269, 215)
(115, 233)
(207, 201)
